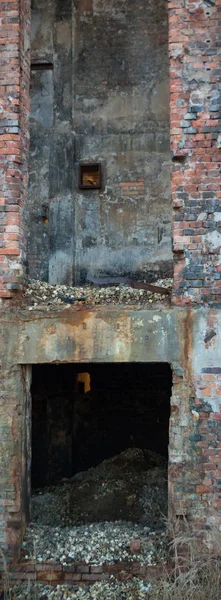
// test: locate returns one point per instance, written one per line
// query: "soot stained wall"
(127, 406)
(105, 100)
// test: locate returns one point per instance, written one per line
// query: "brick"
(96, 569)
(68, 577)
(202, 489)
(135, 547)
(82, 569)
(95, 577)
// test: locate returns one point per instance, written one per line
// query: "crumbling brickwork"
(195, 104)
(14, 136)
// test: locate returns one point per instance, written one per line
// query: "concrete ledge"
(94, 335)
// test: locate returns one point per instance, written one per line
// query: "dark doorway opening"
(83, 414)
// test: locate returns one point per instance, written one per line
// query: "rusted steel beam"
(138, 285)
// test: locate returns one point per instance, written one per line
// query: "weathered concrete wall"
(103, 335)
(50, 202)
(106, 100)
(15, 456)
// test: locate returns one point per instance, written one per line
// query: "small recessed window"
(90, 176)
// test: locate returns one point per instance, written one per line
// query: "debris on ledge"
(40, 294)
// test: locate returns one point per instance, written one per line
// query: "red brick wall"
(14, 110)
(56, 574)
(195, 143)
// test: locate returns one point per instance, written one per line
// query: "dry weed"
(192, 577)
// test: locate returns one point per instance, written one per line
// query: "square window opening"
(90, 176)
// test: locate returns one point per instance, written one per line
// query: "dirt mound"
(40, 294)
(131, 486)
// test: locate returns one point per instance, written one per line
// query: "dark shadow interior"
(85, 413)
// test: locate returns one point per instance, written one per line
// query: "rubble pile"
(95, 516)
(39, 294)
(95, 544)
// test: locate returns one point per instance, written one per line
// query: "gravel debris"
(114, 590)
(40, 294)
(53, 537)
(96, 544)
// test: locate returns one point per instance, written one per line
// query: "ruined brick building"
(110, 166)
